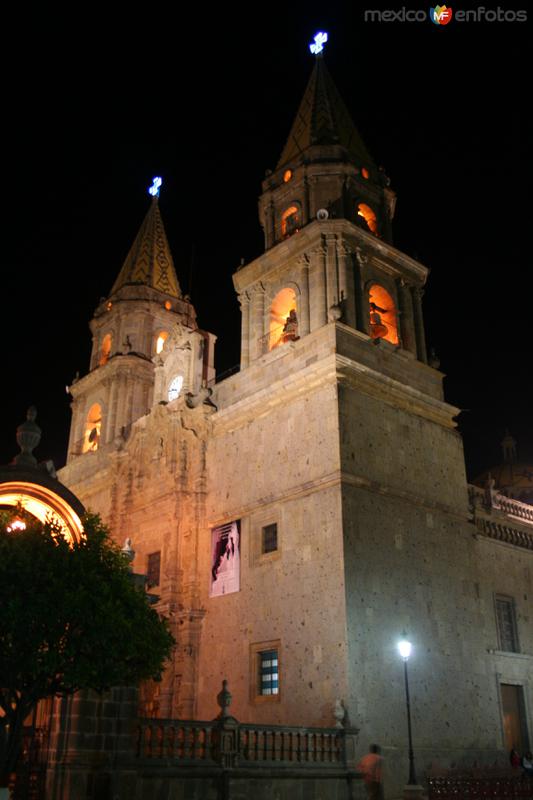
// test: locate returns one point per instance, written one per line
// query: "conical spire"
(323, 119)
(149, 261)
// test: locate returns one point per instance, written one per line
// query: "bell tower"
(129, 328)
(326, 211)
(325, 170)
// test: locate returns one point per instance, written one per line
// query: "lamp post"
(405, 648)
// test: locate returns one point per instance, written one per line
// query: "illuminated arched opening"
(283, 324)
(93, 426)
(160, 341)
(42, 503)
(369, 217)
(383, 322)
(105, 350)
(290, 221)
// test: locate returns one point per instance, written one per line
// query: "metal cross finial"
(154, 188)
(317, 46)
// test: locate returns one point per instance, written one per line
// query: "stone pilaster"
(270, 225)
(347, 285)
(417, 294)
(317, 288)
(305, 201)
(405, 309)
(332, 283)
(361, 300)
(257, 321)
(244, 301)
(303, 311)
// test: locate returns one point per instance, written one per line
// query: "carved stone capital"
(256, 290)
(344, 249)
(362, 257)
(243, 298)
(304, 261)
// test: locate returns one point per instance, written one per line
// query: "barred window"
(269, 538)
(268, 672)
(506, 624)
(153, 570)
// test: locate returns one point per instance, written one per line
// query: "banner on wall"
(225, 559)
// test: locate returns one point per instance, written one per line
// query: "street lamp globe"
(405, 647)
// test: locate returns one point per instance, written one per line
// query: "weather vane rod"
(154, 188)
(317, 45)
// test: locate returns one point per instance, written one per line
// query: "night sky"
(94, 109)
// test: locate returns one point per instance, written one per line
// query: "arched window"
(369, 217)
(283, 325)
(161, 339)
(290, 221)
(105, 350)
(383, 323)
(93, 426)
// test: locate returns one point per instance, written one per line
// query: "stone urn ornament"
(339, 712)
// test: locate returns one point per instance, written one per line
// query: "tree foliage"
(71, 618)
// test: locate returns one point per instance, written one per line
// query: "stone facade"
(338, 433)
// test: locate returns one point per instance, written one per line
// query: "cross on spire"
(154, 188)
(317, 45)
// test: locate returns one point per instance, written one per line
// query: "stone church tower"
(295, 517)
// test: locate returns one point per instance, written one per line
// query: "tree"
(71, 618)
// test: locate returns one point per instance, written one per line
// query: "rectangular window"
(265, 686)
(268, 672)
(153, 571)
(269, 538)
(506, 624)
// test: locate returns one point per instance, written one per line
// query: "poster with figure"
(225, 559)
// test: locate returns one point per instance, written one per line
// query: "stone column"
(361, 305)
(417, 294)
(317, 288)
(270, 225)
(112, 404)
(305, 201)
(186, 662)
(74, 428)
(406, 316)
(346, 285)
(303, 311)
(311, 193)
(258, 345)
(332, 283)
(244, 302)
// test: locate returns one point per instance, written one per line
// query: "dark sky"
(93, 109)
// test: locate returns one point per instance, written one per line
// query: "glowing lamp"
(16, 525)
(404, 648)
(154, 188)
(317, 45)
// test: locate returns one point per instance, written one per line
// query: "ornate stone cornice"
(400, 395)
(118, 365)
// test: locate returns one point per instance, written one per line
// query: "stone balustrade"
(507, 505)
(186, 742)
(190, 742)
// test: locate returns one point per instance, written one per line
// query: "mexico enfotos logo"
(442, 15)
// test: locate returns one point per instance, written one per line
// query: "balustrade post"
(226, 732)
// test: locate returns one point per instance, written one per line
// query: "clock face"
(175, 387)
